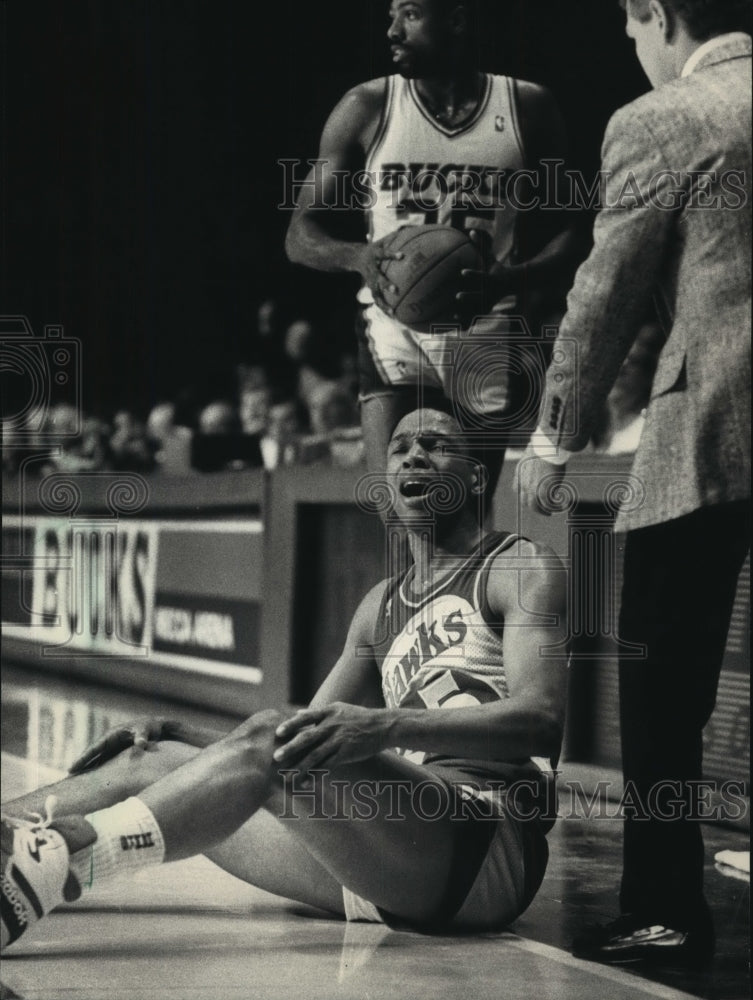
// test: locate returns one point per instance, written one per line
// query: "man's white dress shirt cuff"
(542, 447)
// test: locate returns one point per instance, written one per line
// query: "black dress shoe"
(636, 939)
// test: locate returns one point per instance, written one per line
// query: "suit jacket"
(674, 230)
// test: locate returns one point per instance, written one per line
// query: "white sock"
(128, 838)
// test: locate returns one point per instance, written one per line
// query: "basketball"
(429, 276)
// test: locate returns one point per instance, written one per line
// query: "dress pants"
(680, 579)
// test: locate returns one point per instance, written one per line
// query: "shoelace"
(36, 821)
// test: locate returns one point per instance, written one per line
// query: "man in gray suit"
(674, 235)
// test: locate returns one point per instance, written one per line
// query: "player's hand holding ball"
(375, 257)
(422, 274)
(483, 287)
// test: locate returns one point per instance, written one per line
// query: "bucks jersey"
(422, 172)
(444, 649)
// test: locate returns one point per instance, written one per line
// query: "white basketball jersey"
(423, 172)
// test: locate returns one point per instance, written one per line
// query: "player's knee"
(261, 725)
(248, 749)
(269, 717)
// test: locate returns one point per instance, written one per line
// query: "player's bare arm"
(355, 677)
(311, 237)
(527, 592)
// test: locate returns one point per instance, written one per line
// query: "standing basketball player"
(448, 833)
(439, 142)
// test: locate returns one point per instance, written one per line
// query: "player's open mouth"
(413, 488)
(398, 53)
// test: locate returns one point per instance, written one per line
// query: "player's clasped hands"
(139, 733)
(332, 736)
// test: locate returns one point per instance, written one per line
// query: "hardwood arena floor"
(188, 931)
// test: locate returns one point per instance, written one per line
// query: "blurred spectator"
(267, 351)
(266, 320)
(131, 450)
(220, 417)
(94, 449)
(285, 420)
(331, 408)
(294, 356)
(63, 422)
(299, 348)
(285, 423)
(625, 409)
(78, 444)
(161, 422)
(27, 440)
(312, 357)
(220, 443)
(251, 377)
(254, 398)
(171, 441)
(298, 338)
(35, 425)
(333, 415)
(347, 448)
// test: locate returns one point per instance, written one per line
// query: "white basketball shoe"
(35, 868)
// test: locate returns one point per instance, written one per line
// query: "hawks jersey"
(423, 172)
(443, 649)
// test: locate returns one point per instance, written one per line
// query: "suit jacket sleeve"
(613, 290)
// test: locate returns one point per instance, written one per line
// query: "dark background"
(140, 176)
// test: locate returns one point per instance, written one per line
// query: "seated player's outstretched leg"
(202, 802)
(127, 772)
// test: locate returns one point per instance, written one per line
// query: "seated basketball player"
(320, 806)
(440, 141)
